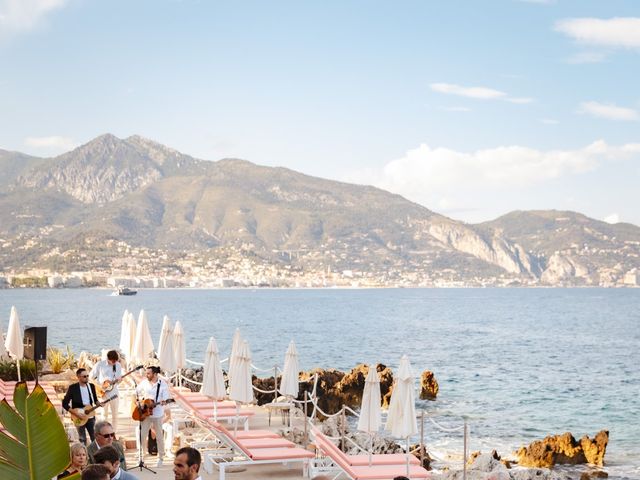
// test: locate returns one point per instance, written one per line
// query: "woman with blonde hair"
(79, 460)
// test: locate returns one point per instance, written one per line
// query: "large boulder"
(564, 449)
(428, 386)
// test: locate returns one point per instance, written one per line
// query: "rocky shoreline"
(336, 388)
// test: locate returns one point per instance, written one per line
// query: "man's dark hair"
(80, 370)
(113, 355)
(154, 369)
(193, 456)
(107, 453)
(95, 472)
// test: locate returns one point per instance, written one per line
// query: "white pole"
(422, 447)
(18, 367)
(464, 453)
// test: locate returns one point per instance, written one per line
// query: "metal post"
(306, 419)
(464, 453)
(275, 383)
(344, 427)
(422, 447)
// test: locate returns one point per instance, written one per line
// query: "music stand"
(141, 464)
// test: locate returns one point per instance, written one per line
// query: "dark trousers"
(87, 427)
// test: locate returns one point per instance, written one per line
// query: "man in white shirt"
(108, 373)
(153, 392)
(186, 465)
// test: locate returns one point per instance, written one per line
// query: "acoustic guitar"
(143, 409)
(109, 385)
(87, 412)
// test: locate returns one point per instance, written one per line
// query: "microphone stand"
(141, 464)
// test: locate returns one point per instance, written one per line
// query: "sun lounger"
(326, 445)
(239, 453)
(375, 471)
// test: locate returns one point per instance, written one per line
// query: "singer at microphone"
(108, 373)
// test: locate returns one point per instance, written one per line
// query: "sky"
(471, 108)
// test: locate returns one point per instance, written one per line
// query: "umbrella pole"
(344, 428)
(18, 367)
(215, 410)
(408, 453)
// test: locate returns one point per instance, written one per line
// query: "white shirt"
(102, 371)
(148, 390)
(86, 395)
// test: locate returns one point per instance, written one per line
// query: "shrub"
(59, 360)
(9, 372)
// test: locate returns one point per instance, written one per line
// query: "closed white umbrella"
(133, 328)
(370, 411)
(143, 346)
(213, 379)
(290, 372)
(401, 419)
(241, 387)
(166, 356)
(125, 342)
(179, 349)
(236, 344)
(14, 343)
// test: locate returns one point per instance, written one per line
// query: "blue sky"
(471, 108)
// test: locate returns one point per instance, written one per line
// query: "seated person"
(78, 460)
(110, 458)
(95, 472)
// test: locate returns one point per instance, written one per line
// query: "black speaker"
(35, 343)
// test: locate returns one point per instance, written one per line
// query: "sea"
(515, 364)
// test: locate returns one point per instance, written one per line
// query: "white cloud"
(608, 111)
(60, 144)
(482, 93)
(442, 176)
(587, 57)
(456, 109)
(613, 218)
(24, 15)
(478, 93)
(520, 100)
(614, 32)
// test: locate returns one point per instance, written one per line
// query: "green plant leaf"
(36, 446)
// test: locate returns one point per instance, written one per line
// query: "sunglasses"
(107, 435)
(84, 376)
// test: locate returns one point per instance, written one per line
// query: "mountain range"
(111, 192)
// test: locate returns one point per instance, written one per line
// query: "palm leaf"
(35, 444)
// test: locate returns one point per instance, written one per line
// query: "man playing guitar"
(78, 396)
(108, 373)
(155, 389)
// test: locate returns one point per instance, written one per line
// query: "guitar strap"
(89, 393)
(158, 391)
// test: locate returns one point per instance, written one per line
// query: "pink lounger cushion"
(362, 460)
(382, 459)
(251, 443)
(223, 413)
(246, 434)
(279, 453)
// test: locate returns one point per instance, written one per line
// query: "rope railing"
(445, 429)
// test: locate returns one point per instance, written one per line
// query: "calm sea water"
(518, 363)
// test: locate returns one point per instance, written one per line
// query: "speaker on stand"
(35, 345)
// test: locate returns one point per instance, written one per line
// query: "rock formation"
(428, 386)
(564, 449)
